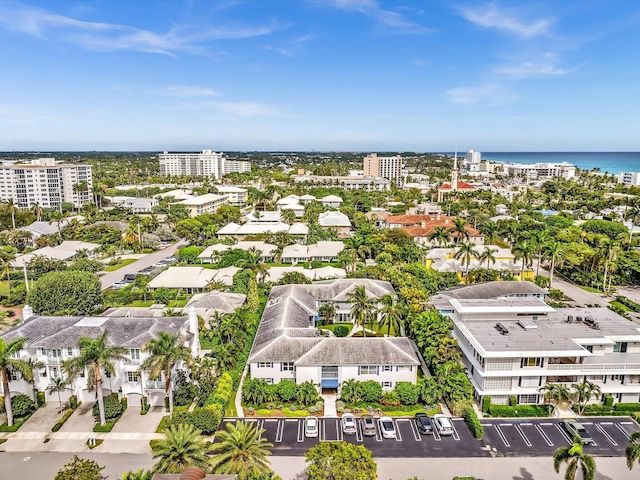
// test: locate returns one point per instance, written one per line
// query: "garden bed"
(283, 412)
(380, 410)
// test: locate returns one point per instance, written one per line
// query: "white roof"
(274, 274)
(298, 229)
(307, 197)
(331, 198)
(192, 277)
(266, 249)
(229, 189)
(333, 219)
(229, 229)
(178, 194)
(64, 251)
(202, 199)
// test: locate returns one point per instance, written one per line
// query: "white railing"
(155, 384)
(581, 367)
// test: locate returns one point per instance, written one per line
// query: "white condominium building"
(45, 182)
(629, 178)
(207, 163)
(472, 161)
(541, 170)
(385, 167)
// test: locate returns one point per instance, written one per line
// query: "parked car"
(368, 426)
(349, 424)
(129, 278)
(443, 424)
(311, 427)
(387, 428)
(120, 284)
(423, 423)
(576, 428)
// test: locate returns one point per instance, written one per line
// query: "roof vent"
(578, 318)
(502, 329)
(527, 324)
(591, 322)
(569, 318)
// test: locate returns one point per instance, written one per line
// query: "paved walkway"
(330, 404)
(579, 296)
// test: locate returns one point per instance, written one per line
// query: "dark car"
(368, 426)
(423, 422)
(575, 428)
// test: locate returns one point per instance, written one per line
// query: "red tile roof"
(461, 186)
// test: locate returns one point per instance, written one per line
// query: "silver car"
(387, 427)
(574, 428)
(311, 425)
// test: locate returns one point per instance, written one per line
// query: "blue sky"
(361, 75)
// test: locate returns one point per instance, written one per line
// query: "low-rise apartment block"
(207, 203)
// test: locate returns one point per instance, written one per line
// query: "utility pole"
(26, 279)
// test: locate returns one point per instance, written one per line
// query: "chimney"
(27, 312)
(423, 224)
(193, 321)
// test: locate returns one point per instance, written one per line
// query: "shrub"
(486, 404)
(22, 405)
(341, 330)
(103, 428)
(513, 401)
(628, 303)
(608, 400)
(184, 390)
(473, 421)
(519, 411)
(627, 407)
(458, 407)
(113, 408)
(407, 392)
(340, 406)
(207, 419)
(40, 399)
(60, 422)
(235, 377)
(390, 398)
(73, 402)
(371, 391)
(287, 390)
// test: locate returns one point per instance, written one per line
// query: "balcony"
(154, 384)
(581, 367)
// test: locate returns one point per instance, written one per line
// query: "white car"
(443, 424)
(311, 427)
(387, 427)
(349, 424)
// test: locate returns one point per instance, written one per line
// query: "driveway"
(579, 296)
(132, 422)
(43, 419)
(81, 420)
(110, 278)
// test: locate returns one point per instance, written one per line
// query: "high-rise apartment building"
(472, 161)
(629, 178)
(385, 167)
(207, 163)
(45, 182)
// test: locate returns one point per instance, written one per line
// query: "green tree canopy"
(340, 461)
(80, 469)
(65, 293)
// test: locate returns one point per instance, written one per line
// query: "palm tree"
(632, 451)
(552, 251)
(363, 307)
(633, 215)
(9, 363)
(489, 229)
(5, 271)
(487, 255)
(555, 392)
(328, 312)
(164, 352)
(441, 235)
(97, 356)
(57, 217)
(466, 252)
(392, 314)
(459, 229)
(610, 249)
(583, 392)
(241, 450)
(37, 210)
(57, 385)
(575, 459)
(523, 251)
(12, 209)
(184, 447)
(255, 264)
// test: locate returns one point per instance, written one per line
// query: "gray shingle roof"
(360, 351)
(493, 290)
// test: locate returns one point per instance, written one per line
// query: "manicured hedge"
(627, 407)
(486, 404)
(519, 411)
(113, 408)
(60, 422)
(471, 418)
(40, 399)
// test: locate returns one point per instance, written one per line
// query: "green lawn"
(590, 289)
(4, 288)
(334, 325)
(123, 263)
(621, 306)
(141, 303)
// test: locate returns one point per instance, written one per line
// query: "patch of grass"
(163, 424)
(2, 440)
(103, 428)
(332, 326)
(4, 288)
(16, 425)
(123, 263)
(231, 408)
(621, 306)
(141, 303)
(177, 303)
(590, 289)
(98, 443)
(60, 422)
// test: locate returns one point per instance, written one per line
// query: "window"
(528, 398)
(529, 381)
(287, 366)
(53, 371)
(133, 377)
(589, 348)
(43, 372)
(135, 354)
(367, 370)
(620, 347)
(387, 368)
(269, 381)
(531, 362)
(387, 384)
(69, 351)
(404, 368)
(13, 375)
(265, 364)
(15, 354)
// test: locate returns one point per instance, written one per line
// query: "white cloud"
(533, 69)
(187, 91)
(110, 37)
(397, 22)
(492, 16)
(485, 95)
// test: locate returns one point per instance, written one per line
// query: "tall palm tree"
(465, 253)
(540, 238)
(392, 314)
(184, 447)
(441, 236)
(583, 392)
(490, 230)
(575, 459)
(241, 450)
(37, 210)
(164, 352)
(57, 217)
(11, 205)
(610, 249)
(255, 264)
(57, 385)
(363, 307)
(523, 251)
(553, 252)
(487, 256)
(7, 364)
(633, 215)
(554, 392)
(97, 356)
(459, 229)
(632, 451)
(5, 271)
(328, 312)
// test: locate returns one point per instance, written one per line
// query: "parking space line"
(436, 435)
(544, 435)
(279, 431)
(564, 434)
(301, 432)
(455, 432)
(527, 424)
(416, 433)
(339, 432)
(398, 435)
(524, 437)
(359, 436)
(260, 426)
(322, 434)
(604, 432)
(378, 433)
(621, 428)
(504, 439)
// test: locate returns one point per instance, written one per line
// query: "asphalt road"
(503, 438)
(110, 278)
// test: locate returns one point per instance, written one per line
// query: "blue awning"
(330, 383)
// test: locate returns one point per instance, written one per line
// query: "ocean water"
(610, 162)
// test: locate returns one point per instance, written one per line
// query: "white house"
(238, 197)
(331, 201)
(192, 279)
(288, 346)
(337, 221)
(212, 253)
(67, 250)
(52, 340)
(326, 251)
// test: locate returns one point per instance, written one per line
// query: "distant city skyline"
(324, 75)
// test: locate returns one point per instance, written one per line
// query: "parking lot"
(503, 437)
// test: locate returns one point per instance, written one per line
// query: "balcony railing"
(329, 375)
(600, 367)
(155, 384)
